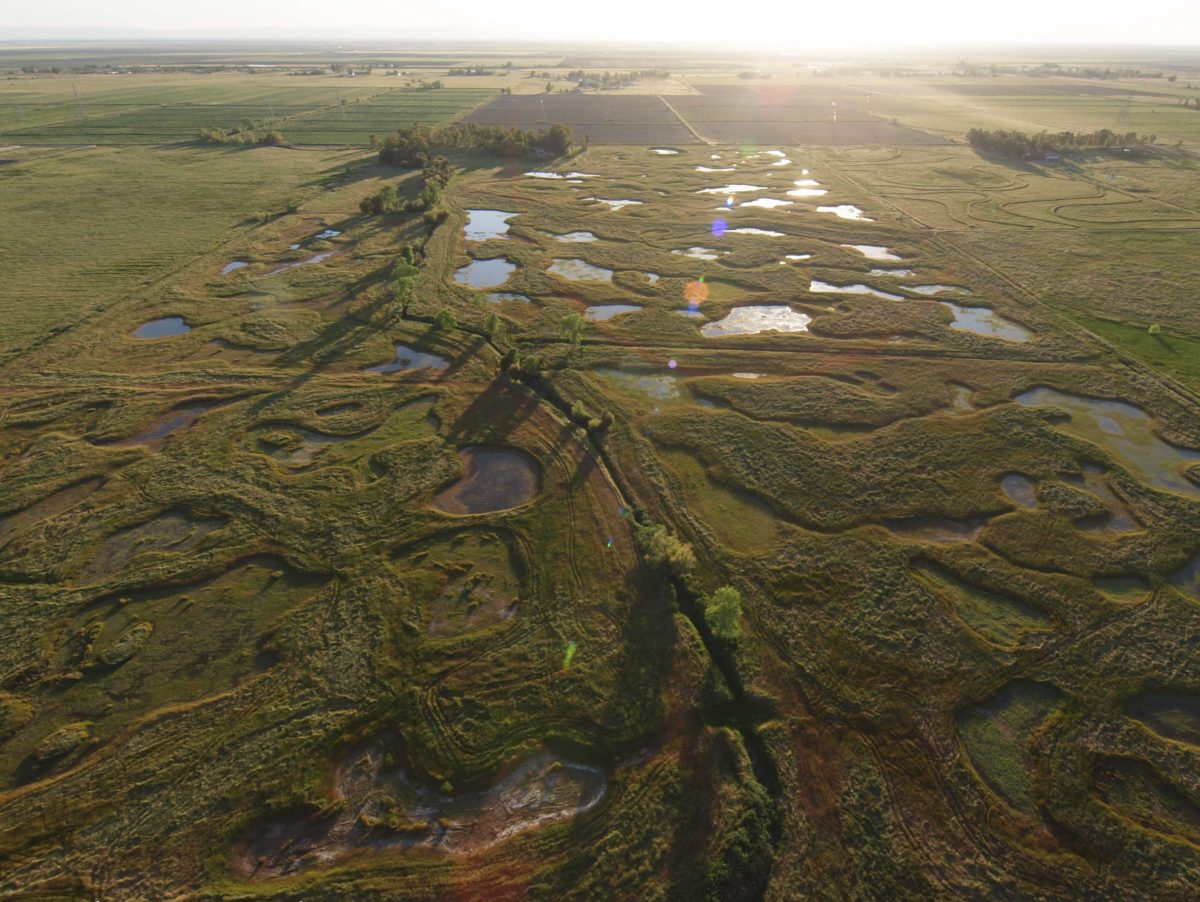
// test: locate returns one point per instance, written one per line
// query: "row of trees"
(1018, 145)
(410, 148)
(241, 137)
(390, 199)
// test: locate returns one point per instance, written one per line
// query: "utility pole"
(78, 102)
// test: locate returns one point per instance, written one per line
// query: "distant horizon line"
(26, 34)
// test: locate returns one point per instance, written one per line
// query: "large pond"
(484, 224)
(166, 327)
(410, 359)
(485, 273)
(986, 321)
(496, 479)
(757, 318)
(819, 287)
(1123, 430)
(579, 270)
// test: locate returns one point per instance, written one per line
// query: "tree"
(558, 139)
(723, 612)
(549, 87)
(491, 323)
(662, 549)
(572, 325)
(445, 319)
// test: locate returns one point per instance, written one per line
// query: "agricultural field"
(606, 118)
(139, 109)
(384, 556)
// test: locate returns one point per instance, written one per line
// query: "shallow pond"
(1125, 431)
(1187, 578)
(819, 287)
(845, 211)
(314, 259)
(716, 168)
(579, 270)
(664, 151)
(930, 290)
(233, 267)
(496, 479)
(485, 273)
(652, 277)
(156, 434)
(539, 174)
(166, 327)
(325, 235)
(892, 273)
(749, 230)
(1020, 489)
(573, 237)
(409, 359)
(795, 258)
(615, 205)
(602, 312)
(698, 253)
(808, 192)
(484, 224)
(504, 297)
(986, 321)
(757, 318)
(873, 251)
(655, 386)
(768, 203)
(731, 189)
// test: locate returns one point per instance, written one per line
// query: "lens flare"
(695, 292)
(719, 227)
(671, 364)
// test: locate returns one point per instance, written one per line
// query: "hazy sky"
(786, 24)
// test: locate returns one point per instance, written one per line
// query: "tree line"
(1018, 145)
(390, 199)
(411, 148)
(240, 137)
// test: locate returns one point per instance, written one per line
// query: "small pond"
(986, 321)
(234, 266)
(485, 273)
(930, 290)
(539, 174)
(819, 287)
(768, 203)
(504, 297)
(845, 211)
(750, 230)
(873, 251)
(484, 224)
(166, 327)
(731, 189)
(808, 192)
(698, 253)
(602, 312)
(716, 168)
(573, 237)
(664, 151)
(615, 205)
(496, 479)
(579, 270)
(409, 359)
(1020, 489)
